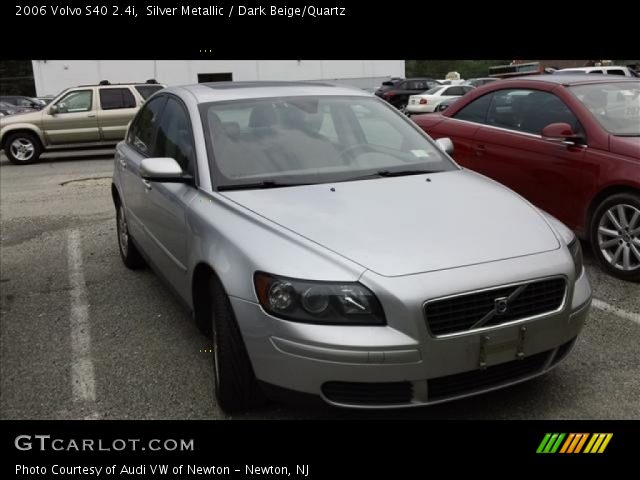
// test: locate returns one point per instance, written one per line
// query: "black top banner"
(314, 29)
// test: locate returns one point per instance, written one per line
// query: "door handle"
(479, 150)
(147, 184)
(91, 115)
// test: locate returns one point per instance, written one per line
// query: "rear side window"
(614, 71)
(114, 98)
(146, 91)
(476, 111)
(142, 129)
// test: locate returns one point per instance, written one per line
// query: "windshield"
(313, 140)
(616, 106)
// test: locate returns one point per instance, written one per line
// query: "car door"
(462, 127)
(117, 107)
(164, 215)
(129, 154)
(510, 149)
(74, 119)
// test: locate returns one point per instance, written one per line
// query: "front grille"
(462, 312)
(368, 393)
(475, 380)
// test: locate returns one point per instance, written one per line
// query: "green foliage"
(439, 68)
(16, 78)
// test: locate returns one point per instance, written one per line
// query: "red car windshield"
(616, 106)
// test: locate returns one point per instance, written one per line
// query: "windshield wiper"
(264, 184)
(392, 173)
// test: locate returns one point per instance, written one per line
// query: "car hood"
(629, 146)
(28, 116)
(406, 225)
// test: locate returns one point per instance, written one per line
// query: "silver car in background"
(331, 248)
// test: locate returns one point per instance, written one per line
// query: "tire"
(23, 148)
(236, 386)
(128, 251)
(615, 235)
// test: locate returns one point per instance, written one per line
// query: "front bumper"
(402, 364)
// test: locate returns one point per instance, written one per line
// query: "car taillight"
(388, 94)
(423, 101)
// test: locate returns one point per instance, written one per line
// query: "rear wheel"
(236, 386)
(615, 235)
(128, 251)
(23, 148)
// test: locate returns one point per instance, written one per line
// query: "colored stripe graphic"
(574, 442)
(581, 443)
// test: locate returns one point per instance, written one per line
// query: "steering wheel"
(365, 147)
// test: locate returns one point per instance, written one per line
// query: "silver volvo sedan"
(331, 248)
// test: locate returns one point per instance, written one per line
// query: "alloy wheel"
(123, 235)
(619, 237)
(22, 149)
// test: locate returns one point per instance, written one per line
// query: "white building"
(53, 76)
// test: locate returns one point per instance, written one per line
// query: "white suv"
(609, 70)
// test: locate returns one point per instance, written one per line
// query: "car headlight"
(325, 303)
(576, 252)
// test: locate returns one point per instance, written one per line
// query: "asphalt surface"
(147, 354)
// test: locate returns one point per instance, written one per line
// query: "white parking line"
(605, 307)
(82, 381)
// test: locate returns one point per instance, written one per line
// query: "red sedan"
(570, 144)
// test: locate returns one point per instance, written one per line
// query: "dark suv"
(397, 92)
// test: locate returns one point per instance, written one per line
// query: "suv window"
(146, 91)
(475, 111)
(113, 98)
(174, 137)
(615, 71)
(142, 129)
(76, 101)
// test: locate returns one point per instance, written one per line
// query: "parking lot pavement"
(83, 337)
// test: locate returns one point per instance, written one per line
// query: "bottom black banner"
(302, 449)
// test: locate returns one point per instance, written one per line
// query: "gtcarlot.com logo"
(574, 443)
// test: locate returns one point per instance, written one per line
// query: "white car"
(427, 101)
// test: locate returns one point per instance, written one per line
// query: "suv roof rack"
(108, 83)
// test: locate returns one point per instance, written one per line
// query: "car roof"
(570, 79)
(223, 91)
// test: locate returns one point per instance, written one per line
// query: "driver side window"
(76, 101)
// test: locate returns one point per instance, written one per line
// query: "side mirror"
(54, 109)
(163, 169)
(446, 145)
(560, 132)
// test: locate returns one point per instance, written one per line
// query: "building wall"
(52, 76)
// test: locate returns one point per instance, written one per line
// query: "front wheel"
(236, 386)
(615, 235)
(128, 251)
(23, 148)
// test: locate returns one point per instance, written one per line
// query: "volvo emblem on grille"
(501, 305)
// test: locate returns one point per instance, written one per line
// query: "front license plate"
(502, 346)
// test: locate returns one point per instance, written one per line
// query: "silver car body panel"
(408, 240)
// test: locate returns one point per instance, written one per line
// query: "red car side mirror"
(559, 131)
